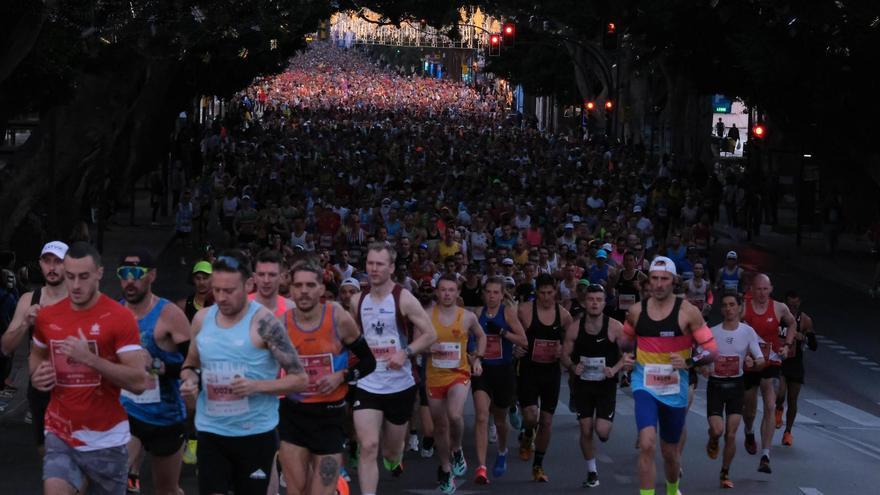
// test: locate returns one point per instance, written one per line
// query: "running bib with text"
(149, 396)
(221, 401)
(70, 373)
(383, 348)
(446, 355)
(316, 367)
(624, 301)
(662, 379)
(493, 347)
(726, 366)
(594, 369)
(545, 351)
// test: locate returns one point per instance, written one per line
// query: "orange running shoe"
(778, 418)
(712, 448)
(725, 481)
(482, 478)
(787, 439)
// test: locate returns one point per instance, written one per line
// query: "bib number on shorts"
(446, 355)
(662, 379)
(726, 366)
(624, 301)
(545, 351)
(70, 373)
(594, 369)
(493, 347)
(317, 367)
(220, 399)
(149, 396)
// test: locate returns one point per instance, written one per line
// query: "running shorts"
(650, 412)
(724, 396)
(397, 407)
(498, 382)
(539, 385)
(318, 427)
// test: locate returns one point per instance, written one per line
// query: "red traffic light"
(494, 39)
(509, 29)
(590, 105)
(609, 105)
(611, 28)
(759, 131)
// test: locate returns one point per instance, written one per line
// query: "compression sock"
(646, 491)
(672, 488)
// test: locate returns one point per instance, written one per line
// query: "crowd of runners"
(392, 246)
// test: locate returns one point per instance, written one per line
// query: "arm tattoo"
(328, 470)
(274, 335)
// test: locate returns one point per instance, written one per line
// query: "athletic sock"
(646, 491)
(591, 465)
(502, 453)
(539, 459)
(390, 464)
(672, 487)
(765, 452)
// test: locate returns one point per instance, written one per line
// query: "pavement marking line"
(847, 411)
(867, 363)
(847, 353)
(698, 406)
(808, 490)
(859, 358)
(836, 346)
(604, 458)
(864, 448)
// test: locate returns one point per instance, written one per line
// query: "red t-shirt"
(84, 409)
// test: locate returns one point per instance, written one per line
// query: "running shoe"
(426, 452)
(482, 478)
(751, 446)
(515, 418)
(764, 466)
(526, 447)
(725, 481)
(447, 484)
(500, 466)
(134, 484)
(592, 480)
(344, 474)
(413, 443)
(459, 465)
(779, 417)
(397, 472)
(787, 439)
(493, 433)
(712, 448)
(189, 453)
(539, 475)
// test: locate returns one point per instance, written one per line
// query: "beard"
(135, 297)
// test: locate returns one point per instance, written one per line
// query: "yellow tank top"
(448, 360)
(444, 251)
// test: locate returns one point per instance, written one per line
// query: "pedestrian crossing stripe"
(847, 412)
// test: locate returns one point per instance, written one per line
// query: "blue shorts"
(650, 412)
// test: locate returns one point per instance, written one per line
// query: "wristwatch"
(408, 350)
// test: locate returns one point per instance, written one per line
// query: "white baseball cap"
(662, 264)
(352, 282)
(507, 261)
(57, 248)
(731, 255)
(569, 226)
(608, 247)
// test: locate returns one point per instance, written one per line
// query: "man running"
(348, 288)
(663, 328)
(86, 347)
(383, 400)
(232, 370)
(157, 417)
(22, 324)
(765, 315)
(201, 296)
(738, 344)
(267, 278)
(729, 276)
(539, 373)
(312, 424)
(793, 368)
(448, 377)
(590, 353)
(496, 386)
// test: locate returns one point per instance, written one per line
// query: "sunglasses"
(131, 272)
(595, 288)
(229, 261)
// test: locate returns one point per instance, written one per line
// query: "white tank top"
(696, 295)
(298, 239)
(379, 320)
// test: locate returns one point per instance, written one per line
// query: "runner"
(448, 376)
(627, 283)
(157, 417)
(730, 275)
(267, 278)
(765, 315)
(591, 355)
(383, 400)
(232, 371)
(539, 372)
(86, 347)
(793, 368)
(698, 292)
(348, 288)
(738, 344)
(312, 424)
(22, 324)
(201, 296)
(496, 386)
(663, 328)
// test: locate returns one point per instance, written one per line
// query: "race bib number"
(594, 369)
(662, 379)
(220, 399)
(545, 351)
(316, 367)
(493, 347)
(383, 348)
(624, 301)
(727, 366)
(70, 373)
(446, 355)
(149, 396)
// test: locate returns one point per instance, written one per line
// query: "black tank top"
(598, 345)
(471, 297)
(545, 338)
(625, 286)
(575, 310)
(35, 299)
(667, 327)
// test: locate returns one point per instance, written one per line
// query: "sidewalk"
(852, 266)
(119, 237)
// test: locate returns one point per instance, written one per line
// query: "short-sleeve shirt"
(84, 409)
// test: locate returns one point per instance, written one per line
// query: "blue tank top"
(161, 403)
(597, 275)
(227, 353)
(729, 280)
(492, 327)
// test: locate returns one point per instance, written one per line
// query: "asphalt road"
(836, 440)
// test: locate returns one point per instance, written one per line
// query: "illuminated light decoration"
(759, 131)
(609, 105)
(590, 105)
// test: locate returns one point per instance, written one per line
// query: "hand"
(518, 351)
(43, 378)
(704, 370)
(397, 360)
(477, 368)
(329, 383)
(243, 387)
(189, 387)
(579, 369)
(799, 336)
(608, 372)
(677, 361)
(749, 362)
(628, 361)
(783, 352)
(31, 314)
(77, 349)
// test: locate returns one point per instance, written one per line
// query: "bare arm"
(424, 333)
(571, 332)
(517, 333)
(788, 320)
(477, 331)
(22, 319)
(274, 335)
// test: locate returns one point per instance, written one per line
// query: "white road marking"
(867, 363)
(837, 346)
(847, 353)
(875, 369)
(859, 358)
(604, 458)
(847, 411)
(808, 490)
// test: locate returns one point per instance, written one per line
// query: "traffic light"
(759, 131)
(609, 38)
(508, 34)
(494, 45)
(590, 106)
(609, 106)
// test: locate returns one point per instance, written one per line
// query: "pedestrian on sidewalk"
(832, 219)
